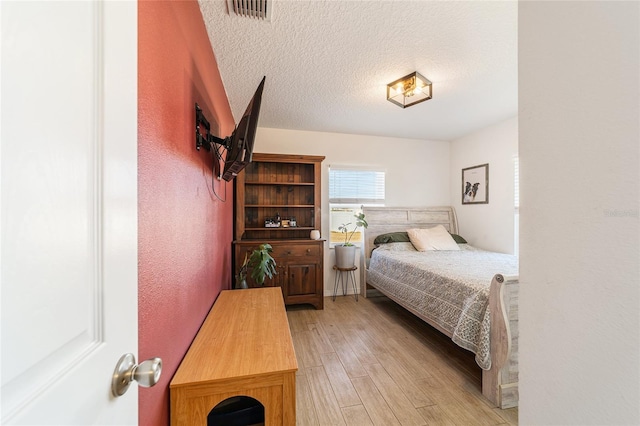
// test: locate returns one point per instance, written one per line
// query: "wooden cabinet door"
(301, 279)
(276, 281)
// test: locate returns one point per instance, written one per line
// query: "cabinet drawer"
(304, 250)
(282, 251)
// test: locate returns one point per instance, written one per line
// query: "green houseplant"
(346, 253)
(261, 264)
(360, 222)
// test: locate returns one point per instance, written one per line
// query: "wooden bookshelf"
(288, 186)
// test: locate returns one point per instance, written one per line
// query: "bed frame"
(500, 383)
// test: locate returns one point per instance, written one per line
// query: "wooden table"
(243, 348)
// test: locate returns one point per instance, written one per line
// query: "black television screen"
(240, 144)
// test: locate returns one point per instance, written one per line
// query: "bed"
(468, 294)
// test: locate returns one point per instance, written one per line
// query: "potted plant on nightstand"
(346, 253)
(261, 264)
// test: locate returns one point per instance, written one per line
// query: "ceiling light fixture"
(409, 90)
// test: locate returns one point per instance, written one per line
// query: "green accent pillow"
(458, 239)
(392, 237)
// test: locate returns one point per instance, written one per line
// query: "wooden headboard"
(393, 219)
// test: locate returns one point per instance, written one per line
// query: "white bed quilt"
(451, 288)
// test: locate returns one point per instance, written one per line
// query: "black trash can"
(237, 411)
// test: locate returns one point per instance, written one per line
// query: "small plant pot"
(345, 256)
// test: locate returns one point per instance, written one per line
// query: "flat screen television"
(239, 145)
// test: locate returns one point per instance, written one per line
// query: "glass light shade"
(409, 90)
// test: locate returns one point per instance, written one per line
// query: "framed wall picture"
(475, 184)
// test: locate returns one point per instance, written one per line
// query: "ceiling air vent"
(259, 9)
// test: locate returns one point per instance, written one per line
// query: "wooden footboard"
(500, 383)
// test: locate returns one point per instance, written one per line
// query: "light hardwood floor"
(373, 363)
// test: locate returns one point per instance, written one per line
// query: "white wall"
(489, 226)
(417, 170)
(580, 206)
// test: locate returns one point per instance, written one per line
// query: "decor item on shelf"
(409, 90)
(346, 253)
(315, 234)
(270, 223)
(260, 262)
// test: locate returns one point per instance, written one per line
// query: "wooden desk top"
(245, 334)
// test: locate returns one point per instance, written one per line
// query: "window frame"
(354, 203)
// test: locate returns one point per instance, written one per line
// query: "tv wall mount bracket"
(206, 141)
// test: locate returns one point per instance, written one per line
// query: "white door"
(68, 187)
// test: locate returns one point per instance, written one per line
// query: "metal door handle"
(147, 373)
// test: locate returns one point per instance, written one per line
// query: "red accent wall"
(185, 233)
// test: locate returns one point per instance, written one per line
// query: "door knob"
(147, 373)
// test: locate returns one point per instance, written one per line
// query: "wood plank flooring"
(373, 363)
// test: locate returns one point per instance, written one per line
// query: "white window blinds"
(356, 186)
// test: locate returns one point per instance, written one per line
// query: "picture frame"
(475, 184)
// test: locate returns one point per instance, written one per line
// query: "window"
(349, 189)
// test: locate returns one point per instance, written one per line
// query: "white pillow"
(436, 238)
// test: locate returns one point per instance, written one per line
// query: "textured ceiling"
(328, 62)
